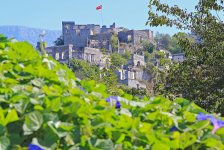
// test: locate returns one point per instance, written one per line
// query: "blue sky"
(49, 14)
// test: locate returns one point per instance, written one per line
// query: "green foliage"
(104, 50)
(44, 104)
(135, 91)
(114, 42)
(148, 47)
(59, 41)
(170, 43)
(163, 40)
(109, 78)
(200, 77)
(127, 55)
(117, 60)
(157, 65)
(174, 47)
(84, 70)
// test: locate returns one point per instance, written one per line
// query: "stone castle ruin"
(86, 41)
(92, 35)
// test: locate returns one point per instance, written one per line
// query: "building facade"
(61, 53)
(134, 75)
(134, 38)
(85, 42)
(178, 57)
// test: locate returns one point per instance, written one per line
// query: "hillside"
(29, 34)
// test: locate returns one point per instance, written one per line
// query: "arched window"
(138, 63)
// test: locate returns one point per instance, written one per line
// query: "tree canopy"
(117, 60)
(170, 43)
(59, 41)
(200, 77)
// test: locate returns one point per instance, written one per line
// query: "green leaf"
(190, 117)
(4, 143)
(21, 106)
(2, 116)
(213, 143)
(33, 122)
(2, 130)
(182, 102)
(55, 104)
(195, 108)
(12, 116)
(199, 125)
(16, 139)
(160, 146)
(104, 144)
(121, 138)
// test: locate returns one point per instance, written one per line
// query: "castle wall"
(135, 37)
(101, 41)
(61, 53)
(78, 35)
(136, 78)
(91, 55)
(138, 60)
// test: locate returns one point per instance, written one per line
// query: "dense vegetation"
(167, 42)
(44, 105)
(200, 77)
(84, 70)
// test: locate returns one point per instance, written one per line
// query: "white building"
(178, 57)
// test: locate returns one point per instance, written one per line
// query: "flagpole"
(101, 15)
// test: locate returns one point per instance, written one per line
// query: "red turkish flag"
(99, 7)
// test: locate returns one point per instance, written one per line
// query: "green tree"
(84, 70)
(174, 47)
(170, 43)
(59, 41)
(157, 65)
(117, 60)
(127, 55)
(163, 40)
(104, 50)
(109, 78)
(87, 71)
(148, 47)
(114, 42)
(200, 77)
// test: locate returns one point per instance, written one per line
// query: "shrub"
(43, 106)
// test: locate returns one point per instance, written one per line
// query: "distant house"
(134, 75)
(137, 60)
(178, 57)
(66, 52)
(91, 55)
(133, 78)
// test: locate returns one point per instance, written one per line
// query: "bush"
(43, 105)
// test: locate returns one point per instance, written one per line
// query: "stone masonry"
(91, 55)
(134, 75)
(79, 35)
(61, 53)
(85, 41)
(92, 35)
(134, 38)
